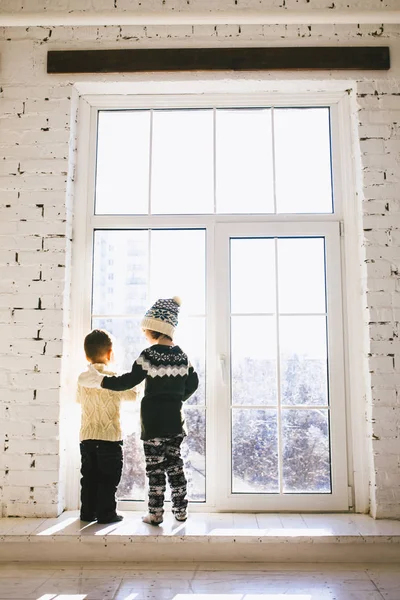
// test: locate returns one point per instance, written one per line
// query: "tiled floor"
(200, 581)
(210, 524)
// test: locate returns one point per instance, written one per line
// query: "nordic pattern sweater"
(101, 410)
(169, 380)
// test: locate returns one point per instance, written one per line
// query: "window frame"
(337, 499)
(85, 221)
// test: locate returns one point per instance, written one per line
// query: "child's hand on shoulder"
(91, 378)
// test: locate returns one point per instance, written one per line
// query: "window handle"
(222, 361)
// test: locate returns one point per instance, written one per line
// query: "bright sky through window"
(191, 161)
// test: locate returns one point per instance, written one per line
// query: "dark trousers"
(163, 457)
(101, 468)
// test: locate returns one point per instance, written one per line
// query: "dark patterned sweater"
(169, 380)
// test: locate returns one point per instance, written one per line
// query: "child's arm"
(191, 383)
(93, 379)
(127, 380)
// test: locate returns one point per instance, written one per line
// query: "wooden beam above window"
(219, 59)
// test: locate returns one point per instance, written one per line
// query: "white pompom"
(177, 300)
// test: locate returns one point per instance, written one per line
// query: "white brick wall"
(195, 5)
(35, 227)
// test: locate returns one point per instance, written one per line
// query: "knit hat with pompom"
(163, 316)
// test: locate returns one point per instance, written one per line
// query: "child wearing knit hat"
(170, 379)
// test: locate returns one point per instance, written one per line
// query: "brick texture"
(36, 220)
(34, 6)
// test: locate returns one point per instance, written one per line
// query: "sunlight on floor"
(63, 597)
(272, 532)
(241, 597)
(192, 597)
(58, 527)
(177, 580)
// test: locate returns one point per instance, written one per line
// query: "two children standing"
(169, 380)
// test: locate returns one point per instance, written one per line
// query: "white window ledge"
(205, 536)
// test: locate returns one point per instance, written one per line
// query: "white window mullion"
(150, 160)
(337, 402)
(215, 158)
(149, 290)
(278, 373)
(273, 156)
(212, 381)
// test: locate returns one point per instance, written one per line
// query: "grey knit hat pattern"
(163, 316)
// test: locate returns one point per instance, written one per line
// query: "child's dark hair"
(157, 334)
(96, 344)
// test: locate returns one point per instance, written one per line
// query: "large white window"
(234, 204)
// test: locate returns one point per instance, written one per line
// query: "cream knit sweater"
(101, 410)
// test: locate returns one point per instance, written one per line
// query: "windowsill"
(250, 526)
(207, 537)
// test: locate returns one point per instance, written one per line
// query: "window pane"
(194, 453)
(301, 275)
(302, 160)
(254, 451)
(132, 485)
(182, 179)
(303, 360)
(120, 272)
(253, 359)
(306, 454)
(253, 292)
(191, 336)
(122, 170)
(244, 173)
(178, 267)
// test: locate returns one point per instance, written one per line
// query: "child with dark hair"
(100, 435)
(170, 379)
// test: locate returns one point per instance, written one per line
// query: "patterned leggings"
(163, 456)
